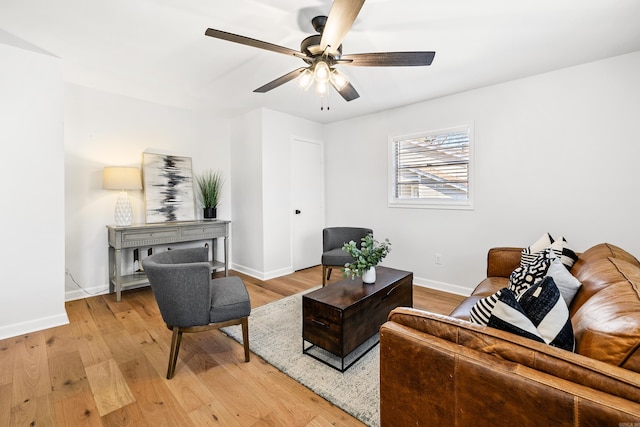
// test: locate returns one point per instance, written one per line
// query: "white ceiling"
(156, 50)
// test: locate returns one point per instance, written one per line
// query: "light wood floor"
(108, 367)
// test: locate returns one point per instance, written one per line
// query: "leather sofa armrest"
(505, 345)
(436, 370)
(502, 261)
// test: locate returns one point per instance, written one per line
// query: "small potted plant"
(210, 184)
(366, 257)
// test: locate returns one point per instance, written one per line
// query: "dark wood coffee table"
(342, 317)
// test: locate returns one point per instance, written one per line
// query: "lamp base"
(123, 213)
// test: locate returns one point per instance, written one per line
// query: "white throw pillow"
(566, 283)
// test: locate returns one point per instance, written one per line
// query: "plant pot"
(209, 213)
(369, 276)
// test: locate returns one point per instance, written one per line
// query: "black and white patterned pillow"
(482, 309)
(529, 253)
(539, 314)
(544, 306)
(503, 311)
(564, 252)
(524, 276)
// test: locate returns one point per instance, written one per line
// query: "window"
(431, 169)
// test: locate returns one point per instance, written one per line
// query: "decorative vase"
(369, 276)
(209, 213)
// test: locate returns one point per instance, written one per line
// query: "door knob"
(298, 212)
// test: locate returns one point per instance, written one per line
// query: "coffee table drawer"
(322, 325)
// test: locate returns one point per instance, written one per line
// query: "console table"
(141, 235)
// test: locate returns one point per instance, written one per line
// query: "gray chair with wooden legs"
(190, 301)
(333, 239)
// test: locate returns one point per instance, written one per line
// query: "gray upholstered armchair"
(333, 239)
(190, 301)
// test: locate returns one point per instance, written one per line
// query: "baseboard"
(35, 325)
(76, 294)
(442, 286)
(261, 275)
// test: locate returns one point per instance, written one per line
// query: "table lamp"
(123, 179)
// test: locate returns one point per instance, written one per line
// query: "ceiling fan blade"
(280, 80)
(348, 92)
(341, 17)
(388, 59)
(248, 41)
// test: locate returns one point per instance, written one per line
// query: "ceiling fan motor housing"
(307, 45)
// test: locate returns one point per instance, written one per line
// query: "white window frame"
(430, 202)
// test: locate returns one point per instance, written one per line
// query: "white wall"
(261, 167)
(278, 131)
(246, 170)
(556, 152)
(104, 129)
(32, 174)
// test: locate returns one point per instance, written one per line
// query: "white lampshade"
(121, 178)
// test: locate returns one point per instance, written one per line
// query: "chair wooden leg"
(329, 273)
(324, 275)
(245, 337)
(175, 347)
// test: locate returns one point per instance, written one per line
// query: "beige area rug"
(275, 334)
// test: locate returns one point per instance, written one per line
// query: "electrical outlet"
(438, 259)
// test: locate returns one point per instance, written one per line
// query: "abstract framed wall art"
(168, 188)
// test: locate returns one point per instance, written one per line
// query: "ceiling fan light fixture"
(321, 72)
(305, 80)
(338, 79)
(321, 89)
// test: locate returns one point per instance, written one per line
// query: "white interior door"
(307, 203)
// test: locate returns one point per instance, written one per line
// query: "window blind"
(433, 167)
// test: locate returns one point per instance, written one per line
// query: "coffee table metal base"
(335, 361)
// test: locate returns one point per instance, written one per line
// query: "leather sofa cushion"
(488, 286)
(600, 274)
(463, 310)
(607, 325)
(595, 270)
(601, 251)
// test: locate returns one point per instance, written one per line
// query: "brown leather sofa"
(440, 370)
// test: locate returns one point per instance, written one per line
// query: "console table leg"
(118, 268)
(226, 257)
(111, 271)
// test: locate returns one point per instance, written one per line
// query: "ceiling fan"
(323, 51)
